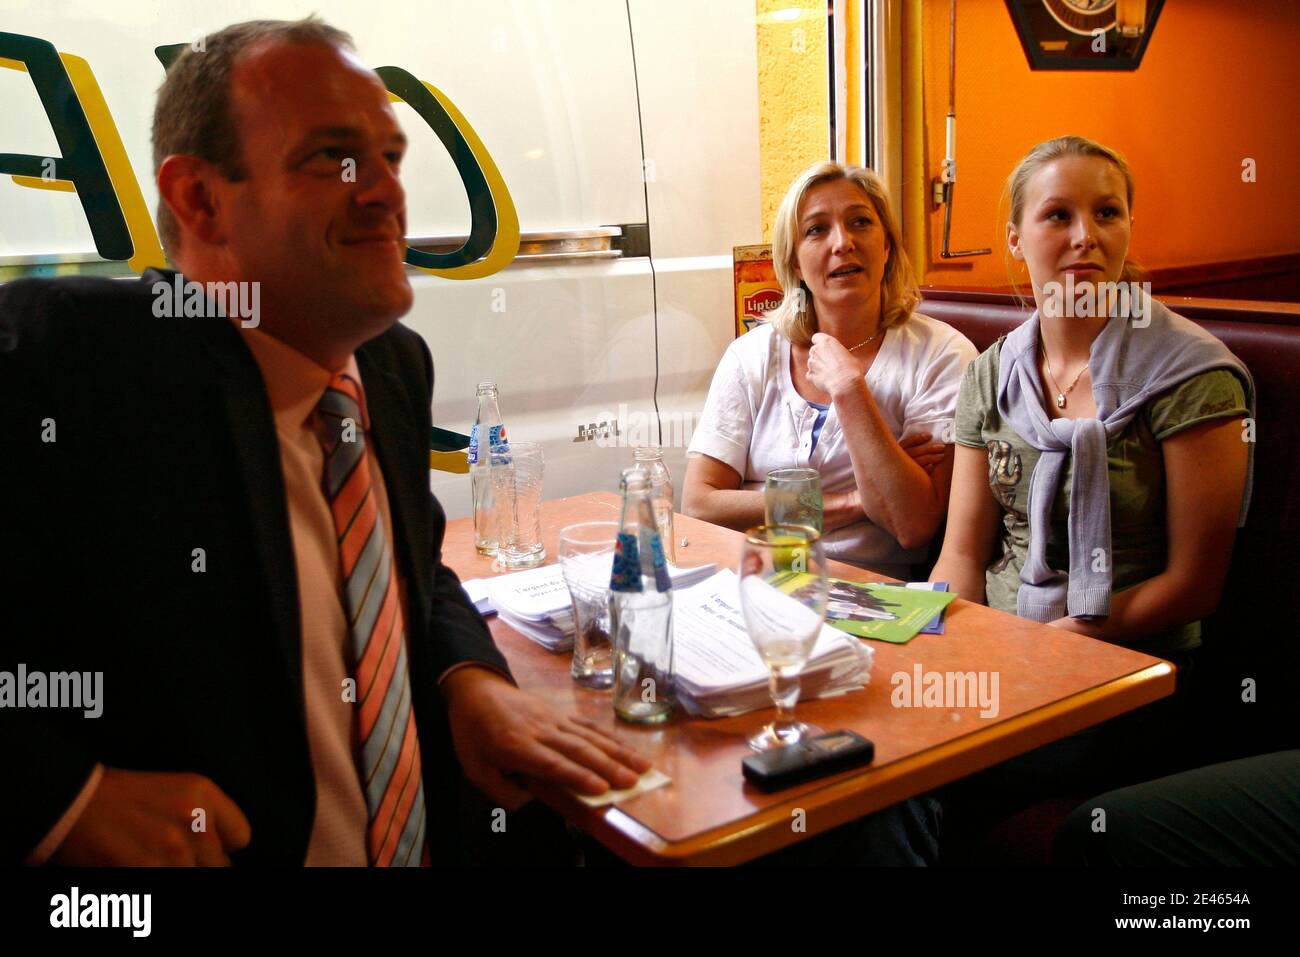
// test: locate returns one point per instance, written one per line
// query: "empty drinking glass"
(586, 558)
(794, 497)
(516, 471)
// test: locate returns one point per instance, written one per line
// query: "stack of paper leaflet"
(718, 671)
(535, 602)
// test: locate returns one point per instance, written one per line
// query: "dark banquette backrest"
(1255, 635)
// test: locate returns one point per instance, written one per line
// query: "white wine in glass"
(783, 593)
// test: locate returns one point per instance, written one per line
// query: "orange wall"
(1217, 84)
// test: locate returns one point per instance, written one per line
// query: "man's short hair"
(193, 114)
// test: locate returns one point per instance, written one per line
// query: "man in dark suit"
(186, 499)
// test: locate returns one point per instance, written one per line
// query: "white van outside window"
(623, 133)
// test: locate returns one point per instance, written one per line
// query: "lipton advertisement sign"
(757, 291)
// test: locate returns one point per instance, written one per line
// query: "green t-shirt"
(1139, 538)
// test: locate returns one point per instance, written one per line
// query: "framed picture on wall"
(1084, 34)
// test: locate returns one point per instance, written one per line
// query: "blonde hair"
(796, 316)
(1054, 149)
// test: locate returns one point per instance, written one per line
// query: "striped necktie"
(388, 756)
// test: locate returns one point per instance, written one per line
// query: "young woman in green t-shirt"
(1175, 471)
(1138, 497)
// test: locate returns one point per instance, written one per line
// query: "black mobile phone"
(814, 758)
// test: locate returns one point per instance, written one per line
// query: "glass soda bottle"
(651, 458)
(640, 609)
(486, 438)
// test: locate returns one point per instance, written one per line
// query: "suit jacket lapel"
(403, 458)
(257, 463)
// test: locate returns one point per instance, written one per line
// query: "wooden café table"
(1051, 684)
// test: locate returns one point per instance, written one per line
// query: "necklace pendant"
(1060, 400)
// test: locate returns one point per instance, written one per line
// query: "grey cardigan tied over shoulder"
(1131, 363)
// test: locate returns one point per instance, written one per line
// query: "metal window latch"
(943, 186)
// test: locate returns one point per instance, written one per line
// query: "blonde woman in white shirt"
(845, 378)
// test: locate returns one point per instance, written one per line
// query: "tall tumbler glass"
(516, 472)
(586, 559)
(794, 497)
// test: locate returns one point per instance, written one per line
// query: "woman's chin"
(847, 297)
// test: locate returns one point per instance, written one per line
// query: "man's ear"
(186, 184)
(1013, 243)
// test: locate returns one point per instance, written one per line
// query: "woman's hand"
(924, 453)
(832, 368)
(840, 509)
(1080, 626)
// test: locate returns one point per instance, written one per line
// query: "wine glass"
(783, 593)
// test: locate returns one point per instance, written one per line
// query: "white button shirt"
(755, 421)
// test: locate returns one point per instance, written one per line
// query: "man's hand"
(147, 818)
(500, 731)
(925, 453)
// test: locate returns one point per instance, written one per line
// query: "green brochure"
(870, 610)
